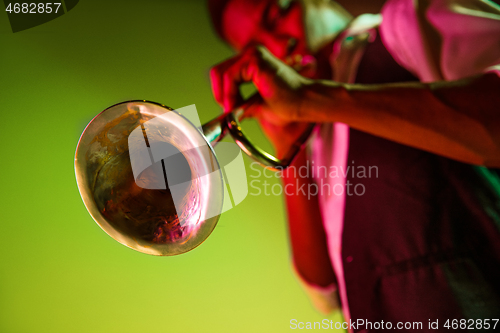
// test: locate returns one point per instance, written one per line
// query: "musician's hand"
(282, 136)
(281, 89)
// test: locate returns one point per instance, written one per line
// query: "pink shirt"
(435, 40)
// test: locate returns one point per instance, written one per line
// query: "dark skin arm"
(456, 119)
(307, 235)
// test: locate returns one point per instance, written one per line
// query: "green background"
(59, 272)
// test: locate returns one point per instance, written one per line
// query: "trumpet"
(151, 179)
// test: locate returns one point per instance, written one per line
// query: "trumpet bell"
(149, 178)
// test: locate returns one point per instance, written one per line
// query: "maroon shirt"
(423, 242)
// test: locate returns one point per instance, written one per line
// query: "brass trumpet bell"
(151, 179)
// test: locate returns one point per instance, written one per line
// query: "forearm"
(459, 119)
(307, 235)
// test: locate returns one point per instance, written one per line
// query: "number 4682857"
(33, 8)
(471, 324)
